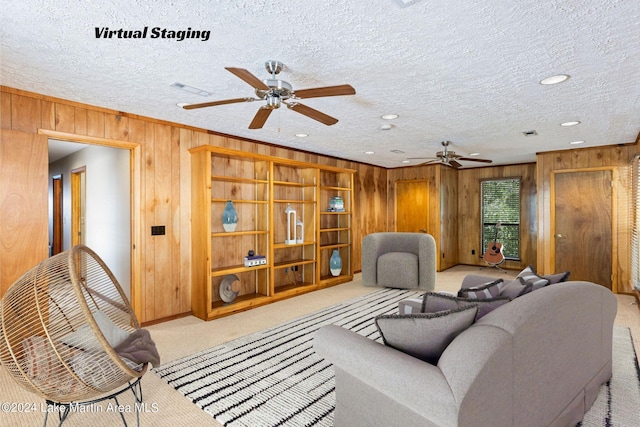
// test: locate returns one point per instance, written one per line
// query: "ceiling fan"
(449, 158)
(277, 92)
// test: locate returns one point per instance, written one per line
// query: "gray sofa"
(399, 260)
(538, 360)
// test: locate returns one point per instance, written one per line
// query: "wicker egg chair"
(57, 323)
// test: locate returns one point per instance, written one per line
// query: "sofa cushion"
(433, 301)
(425, 335)
(398, 270)
(490, 289)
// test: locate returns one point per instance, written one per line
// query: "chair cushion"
(425, 335)
(398, 270)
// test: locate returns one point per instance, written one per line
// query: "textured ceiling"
(464, 71)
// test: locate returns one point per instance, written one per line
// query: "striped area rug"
(273, 377)
(618, 403)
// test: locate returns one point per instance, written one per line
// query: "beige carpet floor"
(188, 335)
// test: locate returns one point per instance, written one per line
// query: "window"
(501, 204)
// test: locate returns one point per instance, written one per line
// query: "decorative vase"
(229, 217)
(336, 204)
(291, 225)
(335, 263)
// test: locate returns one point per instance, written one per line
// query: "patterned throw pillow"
(425, 335)
(528, 276)
(485, 291)
(558, 277)
(433, 302)
(515, 289)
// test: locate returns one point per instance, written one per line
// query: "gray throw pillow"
(486, 290)
(433, 301)
(515, 288)
(558, 277)
(529, 276)
(425, 335)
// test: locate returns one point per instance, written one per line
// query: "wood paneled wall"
(469, 211)
(161, 286)
(619, 157)
(443, 204)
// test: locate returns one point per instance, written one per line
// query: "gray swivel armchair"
(399, 260)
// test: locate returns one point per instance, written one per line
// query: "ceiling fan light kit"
(275, 92)
(449, 158)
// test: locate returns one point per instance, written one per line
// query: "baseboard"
(165, 319)
(636, 292)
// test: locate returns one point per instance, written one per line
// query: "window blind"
(501, 203)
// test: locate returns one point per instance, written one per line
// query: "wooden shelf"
(284, 246)
(293, 263)
(236, 201)
(239, 180)
(235, 269)
(335, 246)
(260, 186)
(326, 230)
(294, 184)
(238, 233)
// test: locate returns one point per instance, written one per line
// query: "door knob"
(559, 236)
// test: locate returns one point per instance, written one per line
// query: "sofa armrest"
(427, 262)
(416, 385)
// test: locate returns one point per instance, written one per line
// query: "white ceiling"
(464, 71)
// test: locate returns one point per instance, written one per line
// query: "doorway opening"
(94, 204)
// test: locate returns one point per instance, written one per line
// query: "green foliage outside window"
(501, 203)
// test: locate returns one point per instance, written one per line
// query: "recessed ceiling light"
(302, 135)
(182, 104)
(386, 126)
(390, 116)
(559, 78)
(369, 152)
(406, 161)
(190, 89)
(474, 154)
(576, 142)
(572, 123)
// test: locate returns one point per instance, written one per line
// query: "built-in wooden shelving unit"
(261, 188)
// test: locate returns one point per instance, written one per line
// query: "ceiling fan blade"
(325, 91)
(472, 159)
(429, 162)
(214, 103)
(260, 118)
(247, 77)
(313, 114)
(454, 164)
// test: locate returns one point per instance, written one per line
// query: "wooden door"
(24, 228)
(78, 206)
(56, 246)
(412, 206)
(583, 225)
